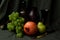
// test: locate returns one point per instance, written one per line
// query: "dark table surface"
(5, 35)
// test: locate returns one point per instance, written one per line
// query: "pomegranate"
(30, 28)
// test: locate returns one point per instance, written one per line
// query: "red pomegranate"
(30, 28)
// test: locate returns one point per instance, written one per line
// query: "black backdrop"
(7, 6)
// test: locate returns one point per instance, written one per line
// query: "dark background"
(7, 6)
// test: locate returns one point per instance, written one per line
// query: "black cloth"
(8, 6)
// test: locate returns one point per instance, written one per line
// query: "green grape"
(10, 26)
(19, 24)
(21, 20)
(18, 20)
(22, 25)
(18, 29)
(13, 16)
(15, 23)
(12, 22)
(19, 35)
(13, 13)
(10, 17)
(17, 14)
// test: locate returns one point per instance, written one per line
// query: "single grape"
(10, 17)
(12, 22)
(18, 29)
(14, 18)
(19, 24)
(22, 25)
(18, 20)
(15, 23)
(17, 14)
(19, 35)
(21, 20)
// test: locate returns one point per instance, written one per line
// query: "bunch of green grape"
(16, 23)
